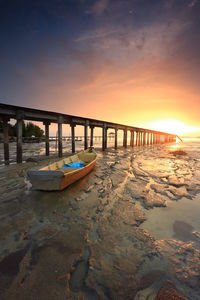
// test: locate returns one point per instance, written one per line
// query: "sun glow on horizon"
(173, 126)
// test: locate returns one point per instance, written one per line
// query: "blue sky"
(109, 59)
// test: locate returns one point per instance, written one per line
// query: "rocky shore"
(87, 241)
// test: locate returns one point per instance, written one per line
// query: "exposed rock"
(178, 152)
(115, 259)
(86, 241)
(196, 234)
(31, 159)
(78, 198)
(168, 292)
(89, 189)
(117, 178)
(159, 188)
(184, 259)
(178, 192)
(153, 199)
(173, 180)
(129, 213)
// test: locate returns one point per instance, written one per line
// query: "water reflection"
(178, 220)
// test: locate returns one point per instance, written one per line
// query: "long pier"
(138, 136)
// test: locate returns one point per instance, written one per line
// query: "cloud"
(151, 53)
(96, 34)
(192, 3)
(99, 7)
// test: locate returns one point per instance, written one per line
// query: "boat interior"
(83, 156)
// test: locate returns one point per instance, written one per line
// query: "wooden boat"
(54, 177)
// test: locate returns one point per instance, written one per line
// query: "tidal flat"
(128, 230)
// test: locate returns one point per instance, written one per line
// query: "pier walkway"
(138, 136)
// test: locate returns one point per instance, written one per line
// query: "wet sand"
(99, 238)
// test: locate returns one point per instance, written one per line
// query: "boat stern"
(45, 179)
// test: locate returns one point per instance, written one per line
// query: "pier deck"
(138, 136)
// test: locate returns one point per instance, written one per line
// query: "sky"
(134, 62)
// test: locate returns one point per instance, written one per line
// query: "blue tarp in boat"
(75, 165)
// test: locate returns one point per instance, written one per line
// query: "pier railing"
(138, 136)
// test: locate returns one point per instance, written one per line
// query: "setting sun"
(172, 126)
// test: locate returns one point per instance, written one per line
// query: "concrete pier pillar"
(6, 140)
(60, 121)
(136, 138)
(144, 138)
(116, 129)
(19, 138)
(106, 141)
(46, 124)
(132, 138)
(73, 136)
(140, 139)
(86, 135)
(163, 139)
(104, 137)
(148, 138)
(91, 135)
(125, 138)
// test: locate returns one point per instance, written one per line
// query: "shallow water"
(162, 222)
(38, 149)
(180, 218)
